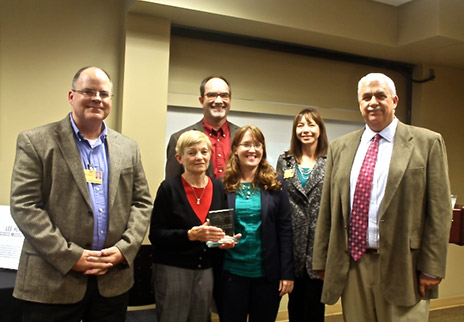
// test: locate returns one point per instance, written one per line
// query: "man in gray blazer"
(215, 97)
(80, 197)
(391, 270)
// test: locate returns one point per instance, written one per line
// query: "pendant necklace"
(201, 195)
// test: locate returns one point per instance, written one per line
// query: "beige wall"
(44, 42)
(145, 90)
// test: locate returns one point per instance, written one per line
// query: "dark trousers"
(257, 298)
(304, 303)
(92, 308)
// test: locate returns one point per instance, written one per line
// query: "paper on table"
(11, 240)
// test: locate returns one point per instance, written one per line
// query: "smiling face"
(249, 152)
(215, 101)
(377, 103)
(87, 109)
(195, 158)
(307, 131)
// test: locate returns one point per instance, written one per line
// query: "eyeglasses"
(90, 93)
(248, 146)
(223, 95)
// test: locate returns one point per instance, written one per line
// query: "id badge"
(93, 176)
(289, 173)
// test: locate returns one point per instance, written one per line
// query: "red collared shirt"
(220, 147)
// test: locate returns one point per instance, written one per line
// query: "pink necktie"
(362, 196)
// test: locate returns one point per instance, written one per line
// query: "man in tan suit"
(80, 197)
(408, 215)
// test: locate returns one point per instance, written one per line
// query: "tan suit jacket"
(415, 215)
(51, 205)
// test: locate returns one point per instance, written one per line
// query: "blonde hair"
(265, 175)
(189, 138)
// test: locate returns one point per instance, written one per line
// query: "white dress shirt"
(380, 175)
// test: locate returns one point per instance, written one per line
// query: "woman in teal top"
(259, 270)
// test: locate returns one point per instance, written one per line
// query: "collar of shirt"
(81, 137)
(387, 133)
(223, 130)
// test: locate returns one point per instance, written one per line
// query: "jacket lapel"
(290, 163)
(402, 150)
(316, 175)
(346, 155)
(115, 150)
(67, 144)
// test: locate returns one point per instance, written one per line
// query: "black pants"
(92, 308)
(257, 298)
(304, 303)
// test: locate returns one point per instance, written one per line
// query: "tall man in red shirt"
(215, 97)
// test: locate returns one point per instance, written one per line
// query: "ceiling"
(393, 2)
(427, 32)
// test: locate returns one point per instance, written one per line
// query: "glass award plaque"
(223, 219)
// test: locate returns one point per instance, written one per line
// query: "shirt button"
(220, 170)
(219, 154)
(199, 266)
(98, 189)
(218, 140)
(102, 231)
(100, 209)
(200, 258)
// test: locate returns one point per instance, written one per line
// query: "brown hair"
(265, 174)
(322, 142)
(207, 79)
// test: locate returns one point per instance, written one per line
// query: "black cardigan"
(171, 219)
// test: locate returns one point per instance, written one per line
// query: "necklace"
(246, 190)
(201, 195)
(305, 172)
(202, 192)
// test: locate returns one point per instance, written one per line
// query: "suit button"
(87, 246)
(90, 214)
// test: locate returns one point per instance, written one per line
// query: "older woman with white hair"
(182, 270)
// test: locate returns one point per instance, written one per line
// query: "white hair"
(378, 77)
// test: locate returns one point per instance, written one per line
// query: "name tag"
(93, 176)
(289, 173)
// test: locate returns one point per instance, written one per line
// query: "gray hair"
(378, 77)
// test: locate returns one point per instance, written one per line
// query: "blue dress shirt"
(94, 156)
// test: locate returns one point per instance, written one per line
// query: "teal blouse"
(246, 259)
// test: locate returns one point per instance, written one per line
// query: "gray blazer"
(51, 205)
(305, 208)
(415, 216)
(173, 168)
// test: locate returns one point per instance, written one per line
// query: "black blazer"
(276, 232)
